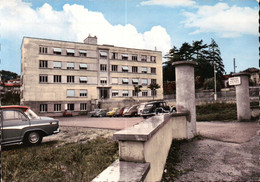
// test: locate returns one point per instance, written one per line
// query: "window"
(103, 67)
(83, 79)
(144, 58)
(43, 79)
(125, 81)
(70, 52)
(125, 93)
(114, 80)
(114, 55)
(134, 57)
(70, 79)
(153, 70)
(144, 93)
(154, 92)
(135, 81)
(70, 93)
(57, 51)
(57, 107)
(83, 66)
(71, 107)
(43, 64)
(144, 70)
(153, 59)
(83, 106)
(57, 78)
(83, 93)
(13, 115)
(134, 69)
(115, 93)
(114, 67)
(124, 57)
(103, 54)
(82, 53)
(125, 69)
(135, 93)
(43, 107)
(70, 66)
(103, 81)
(43, 50)
(153, 80)
(144, 81)
(57, 65)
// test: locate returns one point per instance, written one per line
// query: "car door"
(14, 123)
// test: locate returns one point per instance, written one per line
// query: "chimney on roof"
(91, 40)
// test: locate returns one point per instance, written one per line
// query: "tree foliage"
(8, 75)
(205, 55)
(153, 87)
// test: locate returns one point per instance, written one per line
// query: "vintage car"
(119, 112)
(92, 113)
(154, 107)
(100, 113)
(132, 111)
(19, 124)
(112, 113)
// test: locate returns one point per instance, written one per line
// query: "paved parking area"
(115, 123)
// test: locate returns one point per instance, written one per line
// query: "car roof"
(15, 107)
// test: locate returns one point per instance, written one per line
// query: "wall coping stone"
(124, 171)
(179, 63)
(146, 129)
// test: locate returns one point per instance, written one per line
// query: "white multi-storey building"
(59, 75)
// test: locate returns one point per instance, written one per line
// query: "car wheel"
(33, 138)
(100, 115)
(144, 117)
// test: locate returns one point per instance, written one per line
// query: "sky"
(144, 24)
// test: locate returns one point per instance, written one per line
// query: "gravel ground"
(78, 134)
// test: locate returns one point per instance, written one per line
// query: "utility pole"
(234, 63)
(215, 81)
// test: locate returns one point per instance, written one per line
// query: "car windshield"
(31, 114)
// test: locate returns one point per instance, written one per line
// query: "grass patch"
(47, 162)
(171, 173)
(216, 112)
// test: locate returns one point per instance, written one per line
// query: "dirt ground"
(228, 151)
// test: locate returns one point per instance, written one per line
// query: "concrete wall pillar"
(185, 93)
(242, 97)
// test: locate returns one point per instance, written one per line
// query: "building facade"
(61, 75)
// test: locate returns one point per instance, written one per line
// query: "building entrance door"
(104, 93)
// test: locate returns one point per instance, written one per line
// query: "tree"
(203, 54)
(137, 89)
(153, 87)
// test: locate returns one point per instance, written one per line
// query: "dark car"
(19, 124)
(100, 113)
(132, 111)
(152, 108)
(119, 112)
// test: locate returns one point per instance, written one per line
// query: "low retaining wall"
(149, 142)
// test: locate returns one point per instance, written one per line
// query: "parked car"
(119, 112)
(132, 111)
(125, 110)
(100, 113)
(67, 113)
(112, 113)
(20, 124)
(154, 107)
(91, 113)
